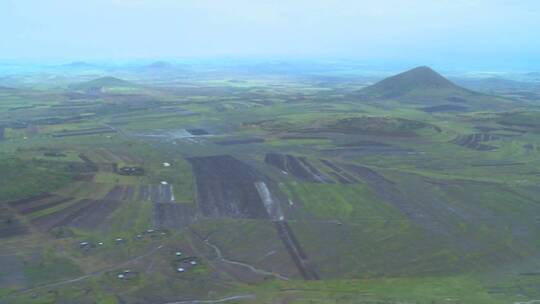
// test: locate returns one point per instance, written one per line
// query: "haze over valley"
(269, 152)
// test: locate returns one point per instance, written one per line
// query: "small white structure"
(119, 240)
(164, 183)
(180, 269)
(100, 243)
(150, 231)
(121, 276)
(83, 244)
(178, 253)
(166, 165)
(193, 263)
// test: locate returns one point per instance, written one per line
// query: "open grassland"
(21, 179)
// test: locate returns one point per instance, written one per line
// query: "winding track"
(92, 274)
(250, 267)
(232, 298)
(149, 253)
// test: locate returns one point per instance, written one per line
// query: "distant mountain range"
(533, 74)
(102, 83)
(493, 85)
(6, 89)
(159, 65)
(78, 64)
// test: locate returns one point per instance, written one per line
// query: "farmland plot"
(226, 188)
(10, 225)
(85, 213)
(298, 167)
(476, 141)
(173, 215)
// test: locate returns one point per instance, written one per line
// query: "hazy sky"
(409, 30)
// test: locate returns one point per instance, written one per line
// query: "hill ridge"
(418, 79)
(102, 82)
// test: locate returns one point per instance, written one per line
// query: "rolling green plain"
(273, 189)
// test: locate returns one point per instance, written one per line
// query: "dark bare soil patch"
(92, 218)
(156, 193)
(81, 171)
(54, 154)
(90, 165)
(314, 170)
(382, 126)
(388, 191)
(197, 132)
(456, 99)
(129, 193)
(115, 194)
(86, 214)
(445, 108)
(341, 175)
(63, 217)
(527, 95)
(108, 156)
(79, 96)
(298, 167)
(226, 188)
(475, 141)
(295, 251)
(166, 193)
(54, 120)
(529, 147)
(496, 163)
(419, 203)
(363, 143)
(487, 129)
(29, 200)
(41, 204)
(10, 225)
(366, 147)
(302, 137)
(370, 176)
(520, 119)
(129, 171)
(13, 275)
(143, 193)
(90, 131)
(244, 141)
(22, 108)
(173, 215)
